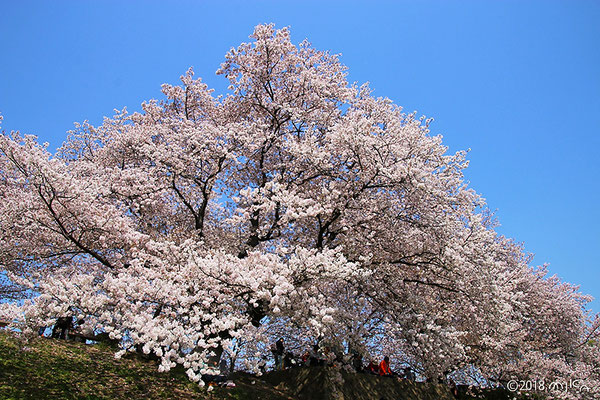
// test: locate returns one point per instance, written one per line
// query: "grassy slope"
(56, 369)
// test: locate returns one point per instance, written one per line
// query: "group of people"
(313, 357)
(65, 328)
(384, 369)
(327, 357)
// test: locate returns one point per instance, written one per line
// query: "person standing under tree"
(384, 367)
(278, 350)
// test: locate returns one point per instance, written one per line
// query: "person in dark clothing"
(61, 327)
(315, 358)
(357, 362)
(278, 354)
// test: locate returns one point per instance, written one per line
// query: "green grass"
(44, 368)
(55, 369)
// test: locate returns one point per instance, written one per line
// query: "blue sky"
(517, 82)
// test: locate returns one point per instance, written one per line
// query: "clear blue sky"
(518, 82)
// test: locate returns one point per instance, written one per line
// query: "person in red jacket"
(384, 367)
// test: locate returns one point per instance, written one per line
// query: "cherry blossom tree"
(296, 206)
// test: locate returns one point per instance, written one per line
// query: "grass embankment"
(56, 369)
